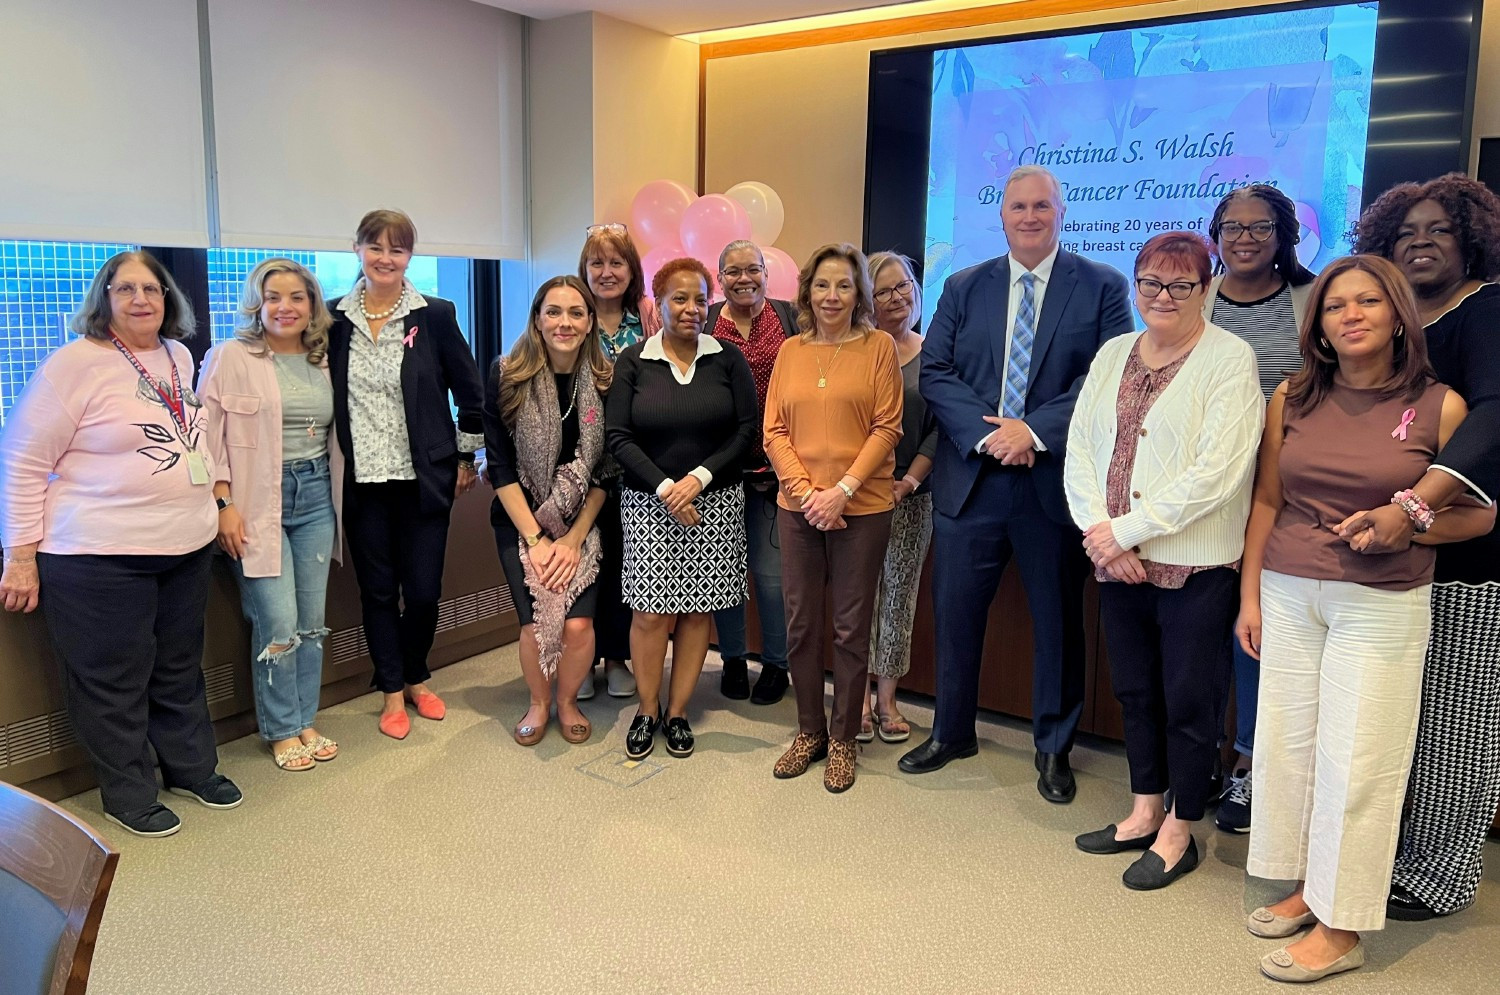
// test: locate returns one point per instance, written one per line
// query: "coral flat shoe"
(429, 705)
(395, 725)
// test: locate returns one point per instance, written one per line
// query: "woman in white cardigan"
(1161, 455)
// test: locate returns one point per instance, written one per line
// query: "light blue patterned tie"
(1018, 368)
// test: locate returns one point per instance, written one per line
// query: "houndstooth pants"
(1455, 778)
(896, 595)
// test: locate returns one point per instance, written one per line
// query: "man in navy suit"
(1002, 363)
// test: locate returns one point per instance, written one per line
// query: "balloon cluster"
(669, 221)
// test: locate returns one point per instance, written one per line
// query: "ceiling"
(677, 17)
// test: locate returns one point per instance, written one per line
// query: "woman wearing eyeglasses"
(1260, 294)
(1160, 459)
(898, 309)
(105, 482)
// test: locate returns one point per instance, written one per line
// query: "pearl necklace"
(384, 314)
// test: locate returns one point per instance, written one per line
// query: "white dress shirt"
(1043, 275)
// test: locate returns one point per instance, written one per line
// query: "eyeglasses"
(613, 227)
(126, 291)
(903, 288)
(750, 271)
(1181, 291)
(1230, 231)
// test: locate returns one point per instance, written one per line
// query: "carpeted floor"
(459, 862)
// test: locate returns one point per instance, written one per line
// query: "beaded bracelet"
(1416, 509)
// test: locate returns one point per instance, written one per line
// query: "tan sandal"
(316, 749)
(894, 728)
(287, 759)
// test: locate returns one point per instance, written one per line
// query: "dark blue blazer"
(963, 367)
(438, 362)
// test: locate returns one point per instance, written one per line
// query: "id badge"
(197, 467)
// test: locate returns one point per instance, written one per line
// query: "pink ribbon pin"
(590, 416)
(411, 335)
(1407, 417)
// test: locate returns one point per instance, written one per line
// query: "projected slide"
(1148, 128)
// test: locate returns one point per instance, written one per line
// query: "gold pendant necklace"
(822, 373)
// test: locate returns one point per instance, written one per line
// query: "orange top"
(815, 435)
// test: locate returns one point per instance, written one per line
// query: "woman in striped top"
(1259, 293)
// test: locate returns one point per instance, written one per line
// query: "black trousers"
(1169, 670)
(398, 556)
(128, 631)
(612, 614)
(970, 552)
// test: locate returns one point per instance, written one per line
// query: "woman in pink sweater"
(105, 479)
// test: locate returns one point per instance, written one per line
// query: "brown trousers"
(840, 568)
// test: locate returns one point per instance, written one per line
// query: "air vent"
(34, 737)
(349, 644)
(219, 683)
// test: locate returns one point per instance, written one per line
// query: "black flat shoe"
(1103, 841)
(932, 755)
(1402, 905)
(735, 681)
(641, 739)
(1056, 782)
(771, 686)
(1149, 872)
(679, 736)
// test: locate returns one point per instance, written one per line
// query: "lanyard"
(174, 400)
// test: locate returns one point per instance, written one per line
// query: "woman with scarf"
(544, 436)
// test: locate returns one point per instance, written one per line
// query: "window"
(41, 285)
(441, 276)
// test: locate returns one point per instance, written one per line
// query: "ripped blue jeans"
(287, 611)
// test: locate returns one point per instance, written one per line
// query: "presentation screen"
(1147, 125)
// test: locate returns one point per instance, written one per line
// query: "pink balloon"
(781, 273)
(656, 212)
(712, 222)
(653, 260)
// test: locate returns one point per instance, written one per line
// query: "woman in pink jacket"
(278, 477)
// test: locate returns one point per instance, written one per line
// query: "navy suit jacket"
(438, 362)
(963, 367)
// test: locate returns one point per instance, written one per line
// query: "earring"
(1324, 343)
(1400, 330)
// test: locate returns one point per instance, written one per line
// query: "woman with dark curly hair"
(1445, 237)
(1259, 292)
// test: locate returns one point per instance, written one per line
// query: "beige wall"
(813, 104)
(645, 113)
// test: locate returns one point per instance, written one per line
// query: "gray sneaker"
(619, 681)
(154, 820)
(215, 791)
(586, 691)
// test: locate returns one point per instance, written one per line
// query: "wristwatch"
(223, 502)
(532, 540)
(848, 491)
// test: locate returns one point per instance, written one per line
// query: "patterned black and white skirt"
(672, 569)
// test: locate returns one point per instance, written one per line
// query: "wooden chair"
(55, 874)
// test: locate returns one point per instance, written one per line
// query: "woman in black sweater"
(680, 419)
(544, 438)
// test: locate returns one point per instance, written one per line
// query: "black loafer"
(735, 681)
(679, 736)
(1402, 905)
(1103, 841)
(1056, 783)
(932, 755)
(771, 686)
(1149, 872)
(641, 739)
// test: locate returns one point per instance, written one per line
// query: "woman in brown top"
(1341, 633)
(833, 418)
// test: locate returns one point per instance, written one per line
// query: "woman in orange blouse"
(833, 418)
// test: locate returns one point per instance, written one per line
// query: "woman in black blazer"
(395, 356)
